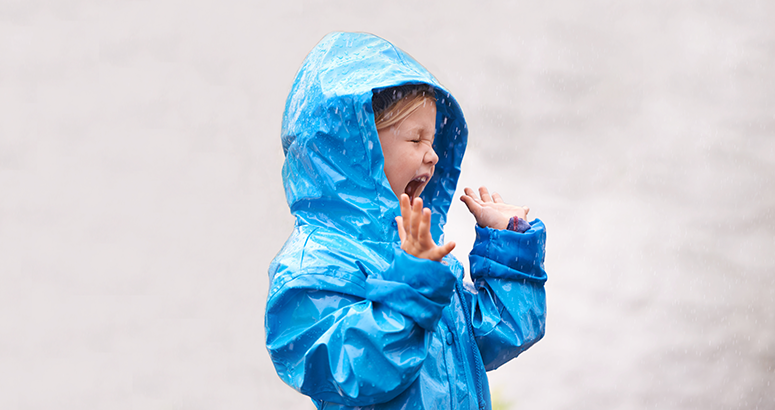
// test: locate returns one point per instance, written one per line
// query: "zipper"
(474, 352)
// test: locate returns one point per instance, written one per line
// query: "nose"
(430, 156)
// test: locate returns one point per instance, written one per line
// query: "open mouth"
(416, 185)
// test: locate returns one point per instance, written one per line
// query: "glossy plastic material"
(351, 319)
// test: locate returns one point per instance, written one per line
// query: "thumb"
(441, 251)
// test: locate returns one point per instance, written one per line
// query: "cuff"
(417, 288)
(508, 254)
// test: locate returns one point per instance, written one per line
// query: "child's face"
(408, 150)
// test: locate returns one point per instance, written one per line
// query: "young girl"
(366, 307)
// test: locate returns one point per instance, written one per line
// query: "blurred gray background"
(141, 199)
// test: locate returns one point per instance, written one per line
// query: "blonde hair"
(403, 108)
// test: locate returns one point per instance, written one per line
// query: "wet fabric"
(351, 319)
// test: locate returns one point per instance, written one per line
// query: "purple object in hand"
(518, 224)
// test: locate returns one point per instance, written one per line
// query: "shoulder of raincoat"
(351, 319)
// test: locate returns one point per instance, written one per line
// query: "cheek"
(393, 166)
(388, 151)
(402, 168)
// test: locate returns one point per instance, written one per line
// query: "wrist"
(499, 224)
(503, 224)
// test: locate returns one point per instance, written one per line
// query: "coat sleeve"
(508, 302)
(340, 334)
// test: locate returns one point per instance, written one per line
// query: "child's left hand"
(491, 211)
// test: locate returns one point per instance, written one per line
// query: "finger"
(414, 227)
(485, 194)
(425, 227)
(473, 206)
(401, 230)
(473, 195)
(496, 197)
(406, 212)
(404, 202)
(527, 209)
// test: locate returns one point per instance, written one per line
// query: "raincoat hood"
(334, 167)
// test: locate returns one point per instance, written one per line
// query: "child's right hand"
(491, 211)
(414, 229)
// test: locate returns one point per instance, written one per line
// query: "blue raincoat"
(351, 319)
